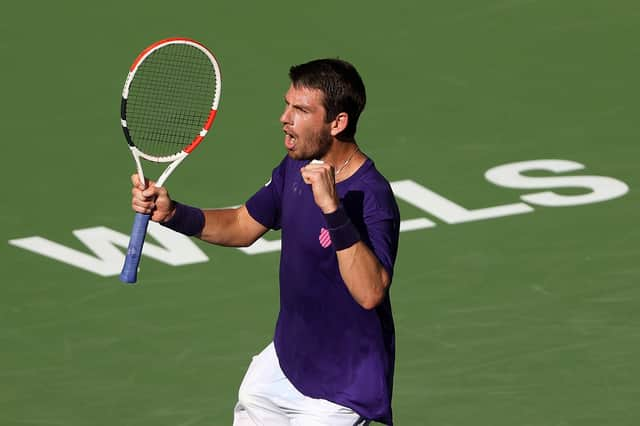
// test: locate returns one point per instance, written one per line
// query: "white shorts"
(266, 397)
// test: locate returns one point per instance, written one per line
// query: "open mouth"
(289, 140)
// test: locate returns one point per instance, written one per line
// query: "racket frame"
(130, 268)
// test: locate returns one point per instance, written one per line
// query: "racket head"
(170, 98)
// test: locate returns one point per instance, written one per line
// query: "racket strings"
(170, 99)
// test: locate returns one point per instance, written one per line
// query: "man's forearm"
(365, 277)
(230, 227)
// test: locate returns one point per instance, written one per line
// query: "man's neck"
(345, 157)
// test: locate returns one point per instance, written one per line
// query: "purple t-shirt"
(330, 347)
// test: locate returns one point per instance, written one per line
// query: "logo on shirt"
(324, 238)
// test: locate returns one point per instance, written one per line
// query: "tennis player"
(331, 360)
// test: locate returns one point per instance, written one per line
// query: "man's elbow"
(375, 297)
(373, 300)
(370, 303)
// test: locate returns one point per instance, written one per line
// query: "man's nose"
(285, 118)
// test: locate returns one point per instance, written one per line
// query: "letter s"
(602, 188)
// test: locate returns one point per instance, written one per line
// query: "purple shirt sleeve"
(382, 229)
(377, 218)
(265, 206)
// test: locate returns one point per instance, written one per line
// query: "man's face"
(307, 135)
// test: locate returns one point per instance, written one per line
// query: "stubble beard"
(318, 145)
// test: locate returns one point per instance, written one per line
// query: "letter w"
(177, 249)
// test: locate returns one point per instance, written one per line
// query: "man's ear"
(339, 123)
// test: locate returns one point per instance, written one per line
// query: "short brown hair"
(341, 85)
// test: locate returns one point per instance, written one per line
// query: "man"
(332, 357)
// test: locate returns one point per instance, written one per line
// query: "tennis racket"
(169, 102)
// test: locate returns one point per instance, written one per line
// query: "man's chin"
(304, 152)
(298, 156)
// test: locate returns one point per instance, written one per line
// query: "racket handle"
(129, 272)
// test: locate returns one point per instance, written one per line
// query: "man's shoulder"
(375, 188)
(372, 180)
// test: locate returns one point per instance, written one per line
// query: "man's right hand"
(151, 200)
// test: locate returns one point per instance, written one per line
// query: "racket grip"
(129, 272)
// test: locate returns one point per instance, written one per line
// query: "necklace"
(346, 163)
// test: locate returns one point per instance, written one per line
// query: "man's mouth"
(289, 140)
